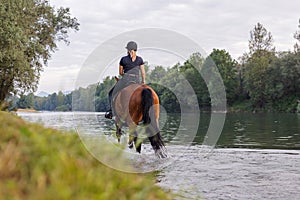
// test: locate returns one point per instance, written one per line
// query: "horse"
(136, 104)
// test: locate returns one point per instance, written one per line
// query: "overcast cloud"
(223, 24)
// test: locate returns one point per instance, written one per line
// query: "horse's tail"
(152, 129)
(147, 102)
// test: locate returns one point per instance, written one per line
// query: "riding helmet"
(131, 46)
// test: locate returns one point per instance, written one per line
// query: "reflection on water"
(247, 130)
(271, 130)
(57, 120)
(242, 130)
(254, 170)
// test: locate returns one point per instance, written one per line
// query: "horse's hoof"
(139, 149)
(130, 145)
(161, 154)
(108, 115)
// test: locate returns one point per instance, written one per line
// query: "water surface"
(257, 155)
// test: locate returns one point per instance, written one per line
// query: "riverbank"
(27, 110)
(287, 106)
(43, 163)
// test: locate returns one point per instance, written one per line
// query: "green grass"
(42, 163)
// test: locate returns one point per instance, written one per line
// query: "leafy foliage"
(228, 70)
(261, 55)
(263, 80)
(297, 37)
(29, 31)
(275, 86)
(260, 40)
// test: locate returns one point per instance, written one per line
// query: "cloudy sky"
(223, 24)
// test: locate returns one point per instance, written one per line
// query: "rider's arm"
(143, 73)
(121, 70)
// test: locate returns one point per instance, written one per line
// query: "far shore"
(27, 110)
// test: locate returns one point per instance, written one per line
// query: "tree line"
(53, 102)
(263, 79)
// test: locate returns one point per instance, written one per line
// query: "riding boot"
(109, 113)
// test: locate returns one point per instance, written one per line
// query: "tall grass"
(42, 163)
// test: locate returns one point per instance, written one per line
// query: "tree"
(157, 74)
(262, 53)
(261, 40)
(26, 101)
(60, 98)
(52, 102)
(241, 68)
(227, 68)
(283, 81)
(101, 94)
(29, 31)
(168, 99)
(297, 37)
(191, 70)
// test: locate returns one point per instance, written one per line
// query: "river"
(256, 157)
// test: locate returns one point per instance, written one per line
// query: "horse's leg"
(133, 138)
(136, 140)
(130, 142)
(118, 131)
(138, 144)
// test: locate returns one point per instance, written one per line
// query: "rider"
(130, 67)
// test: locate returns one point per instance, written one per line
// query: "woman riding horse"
(132, 102)
(130, 67)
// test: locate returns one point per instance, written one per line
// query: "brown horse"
(134, 104)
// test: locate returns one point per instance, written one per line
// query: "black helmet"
(131, 46)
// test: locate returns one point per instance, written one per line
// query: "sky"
(221, 24)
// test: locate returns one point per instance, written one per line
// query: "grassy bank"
(40, 163)
(286, 105)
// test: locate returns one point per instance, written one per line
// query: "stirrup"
(108, 114)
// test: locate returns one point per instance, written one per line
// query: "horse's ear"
(117, 79)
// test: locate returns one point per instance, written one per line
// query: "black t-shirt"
(129, 66)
